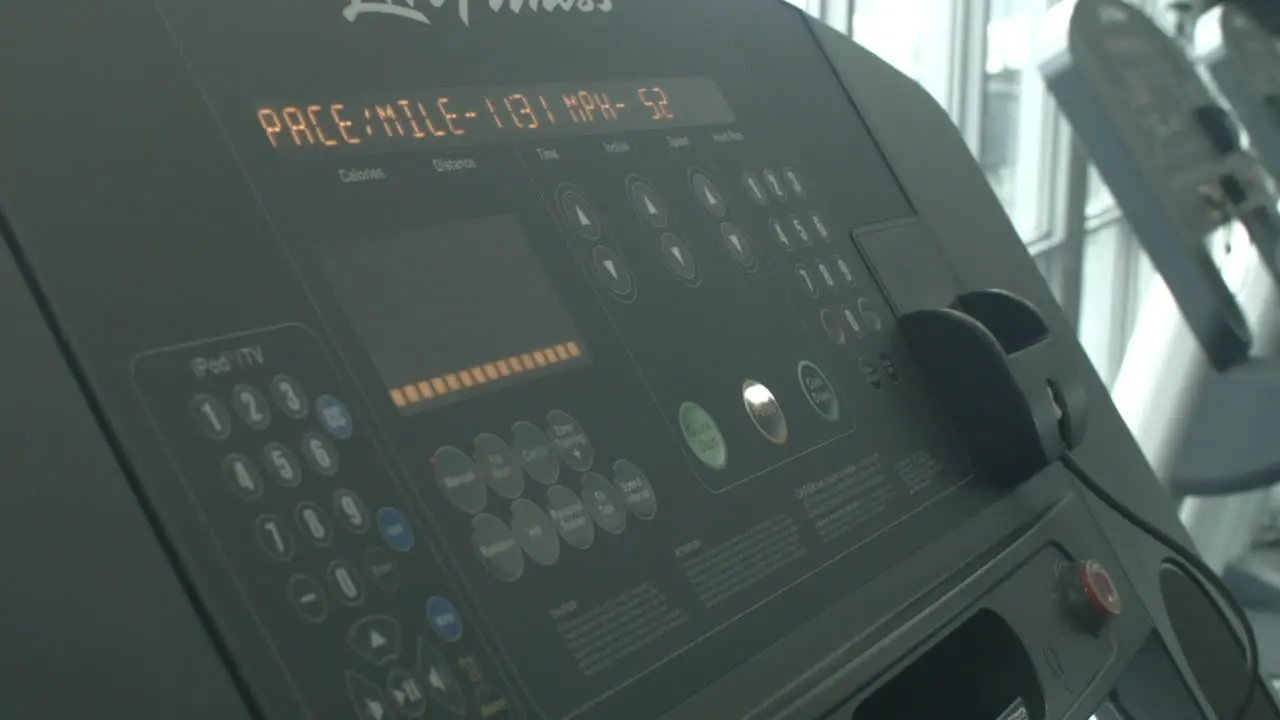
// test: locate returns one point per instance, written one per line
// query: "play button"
(580, 214)
(613, 273)
(679, 258)
(376, 639)
(647, 204)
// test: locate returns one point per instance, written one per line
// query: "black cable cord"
(1206, 573)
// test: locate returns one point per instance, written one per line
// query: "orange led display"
(468, 115)
(465, 379)
(337, 124)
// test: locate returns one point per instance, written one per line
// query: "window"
(1051, 262)
(1098, 198)
(1103, 328)
(914, 36)
(835, 13)
(1016, 149)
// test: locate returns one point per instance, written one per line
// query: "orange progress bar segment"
(483, 374)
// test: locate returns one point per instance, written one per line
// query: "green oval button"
(703, 436)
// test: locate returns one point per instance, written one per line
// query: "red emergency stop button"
(1090, 595)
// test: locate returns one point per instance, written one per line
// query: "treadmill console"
(1244, 61)
(546, 359)
(1169, 153)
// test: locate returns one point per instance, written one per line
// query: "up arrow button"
(647, 203)
(580, 214)
(708, 194)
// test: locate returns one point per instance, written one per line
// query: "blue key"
(395, 529)
(334, 416)
(444, 618)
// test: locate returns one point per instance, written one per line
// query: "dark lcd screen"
(449, 311)
(465, 116)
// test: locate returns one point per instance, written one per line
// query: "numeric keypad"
(307, 514)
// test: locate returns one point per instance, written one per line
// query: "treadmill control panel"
(1254, 49)
(1167, 149)
(1154, 86)
(1243, 60)
(519, 386)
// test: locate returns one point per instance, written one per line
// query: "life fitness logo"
(417, 10)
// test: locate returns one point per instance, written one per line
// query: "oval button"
(444, 618)
(499, 551)
(396, 531)
(708, 194)
(647, 203)
(571, 440)
(818, 391)
(351, 511)
(703, 436)
(569, 514)
(765, 412)
(604, 503)
(315, 528)
(251, 406)
(289, 396)
(499, 465)
(282, 464)
(243, 476)
(637, 491)
(535, 531)
(211, 416)
(536, 452)
(320, 454)
(459, 480)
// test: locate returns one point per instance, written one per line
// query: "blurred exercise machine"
(1243, 59)
(386, 361)
(1172, 158)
